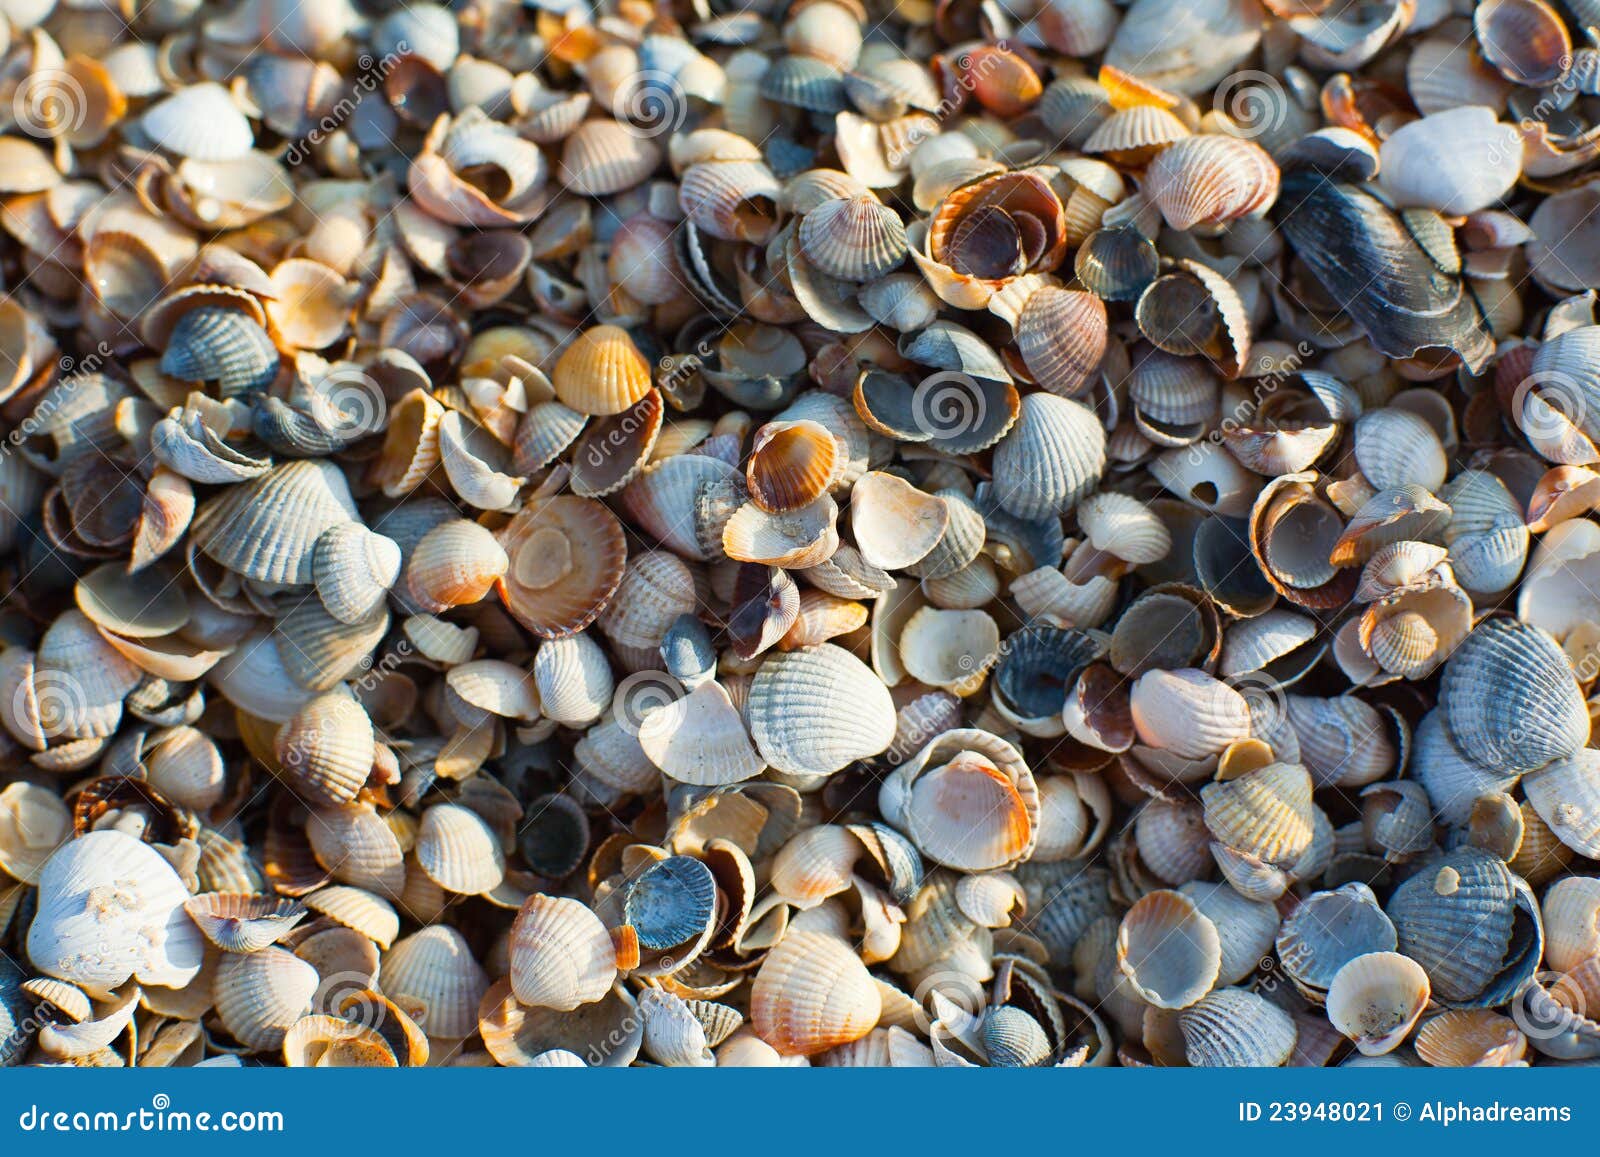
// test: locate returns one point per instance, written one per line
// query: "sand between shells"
(917, 534)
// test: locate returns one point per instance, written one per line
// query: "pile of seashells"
(909, 532)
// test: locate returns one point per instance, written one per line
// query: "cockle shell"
(561, 954)
(110, 908)
(814, 712)
(812, 994)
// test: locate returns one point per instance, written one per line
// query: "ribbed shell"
(353, 569)
(1266, 814)
(817, 711)
(811, 994)
(561, 954)
(1050, 459)
(602, 157)
(237, 922)
(327, 749)
(1328, 930)
(1061, 337)
(200, 122)
(260, 995)
(567, 558)
(436, 968)
(1510, 700)
(853, 238)
(372, 916)
(267, 528)
(1458, 917)
(1211, 179)
(459, 851)
(108, 908)
(1566, 794)
(602, 372)
(1232, 1028)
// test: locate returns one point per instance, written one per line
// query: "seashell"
(260, 995)
(814, 712)
(353, 569)
(1061, 338)
(1235, 1028)
(812, 994)
(1563, 793)
(456, 563)
(267, 528)
(601, 372)
(33, 824)
(357, 847)
(237, 922)
(109, 908)
(1051, 458)
(1463, 1038)
(434, 970)
(700, 739)
(459, 851)
(1168, 951)
(199, 122)
(1265, 814)
(327, 748)
(1188, 712)
(929, 797)
(1327, 931)
(853, 238)
(798, 538)
(1525, 39)
(1511, 680)
(567, 558)
(358, 910)
(1376, 1000)
(731, 200)
(791, 464)
(561, 954)
(1456, 161)
(1210, 180)
(1472, 926)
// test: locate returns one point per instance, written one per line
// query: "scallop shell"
(812, 994)
(1509, 699)
(109, 908)
(814, 712)
(602, 372)
(261, 994)
(567, 558)
(1051, 459)
(561, 954)
(853, 238)
(267, 528)
(1472, 926)
(201, 122)
(1188, 712)
(459, 851)
(1376, 1000)
(1210, 180)
(1235, 1028)
(435, 970)
(932, 798)
(1168, 951)
(237, 922)
(327, 748)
